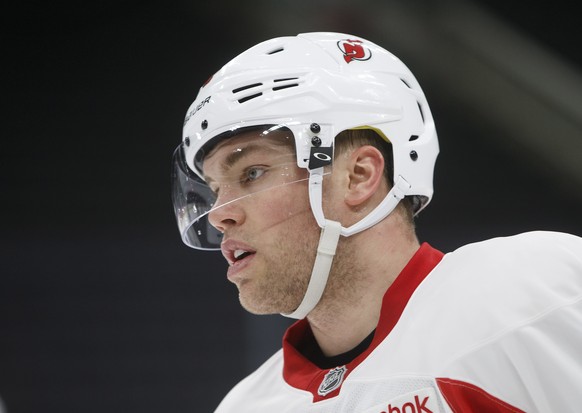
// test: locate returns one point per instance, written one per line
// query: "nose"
(225, 215)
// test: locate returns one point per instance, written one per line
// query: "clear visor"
(242, 168)
(192, 200)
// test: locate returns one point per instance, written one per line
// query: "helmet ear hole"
(353, 138)
(366, 174)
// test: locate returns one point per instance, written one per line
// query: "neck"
(362, 272)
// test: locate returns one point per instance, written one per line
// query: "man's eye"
(253, 173)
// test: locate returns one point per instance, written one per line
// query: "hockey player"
(304, 160)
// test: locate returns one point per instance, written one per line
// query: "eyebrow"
(235, 156)
(239, 154)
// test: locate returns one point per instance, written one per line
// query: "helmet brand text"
(196, 109)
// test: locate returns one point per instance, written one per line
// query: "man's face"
(262, 207)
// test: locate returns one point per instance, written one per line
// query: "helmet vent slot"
(279, 49)
(243, 100)
(420, 110)
(413, 138)
(285, 86)
(240, 89)
(406, 83)
(246, 87)
(254, 90)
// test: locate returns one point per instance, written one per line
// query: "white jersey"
(495, 326)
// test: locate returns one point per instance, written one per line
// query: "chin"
(263, 308)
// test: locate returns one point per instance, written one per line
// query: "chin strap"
(330, 233)
(328, 240)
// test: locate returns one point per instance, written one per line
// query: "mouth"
(236, 252)
(240, 256)
(238, 261)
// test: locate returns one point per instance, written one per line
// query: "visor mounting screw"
(204, 124)
(315, 128)
(413, 155)
(187, 141)
(316, 141)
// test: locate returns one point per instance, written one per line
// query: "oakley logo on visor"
(320, 157)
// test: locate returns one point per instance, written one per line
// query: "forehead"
(229, 151)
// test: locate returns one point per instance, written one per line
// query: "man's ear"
(365, 170)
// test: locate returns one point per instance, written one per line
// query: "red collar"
(300, 373)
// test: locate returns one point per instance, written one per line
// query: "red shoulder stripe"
(464, 397)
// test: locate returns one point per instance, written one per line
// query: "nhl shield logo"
(332, 380)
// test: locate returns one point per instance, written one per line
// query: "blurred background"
(102, 308)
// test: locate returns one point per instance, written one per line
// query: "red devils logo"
(353, 50)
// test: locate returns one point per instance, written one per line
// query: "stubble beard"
(286, 271)
(344, 285)
(282, 286)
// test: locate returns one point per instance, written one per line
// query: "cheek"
(293, 200)
(283, 203)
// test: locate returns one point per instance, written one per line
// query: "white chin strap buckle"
(328, 240)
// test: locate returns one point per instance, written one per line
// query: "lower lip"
(235, 269)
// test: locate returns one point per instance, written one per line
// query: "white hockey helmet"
(316, 85)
